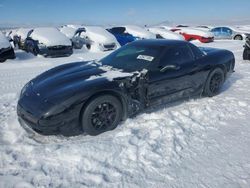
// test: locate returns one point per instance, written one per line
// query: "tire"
(246, 54)
(35, 51)
(97, 115)
(238, 37)
(214, 82)
(88, 46)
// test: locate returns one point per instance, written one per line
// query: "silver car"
(229, 33)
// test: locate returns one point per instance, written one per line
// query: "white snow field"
(197, 143)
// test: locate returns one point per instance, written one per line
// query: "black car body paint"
(52, 102)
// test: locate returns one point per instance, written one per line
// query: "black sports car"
(93, 97)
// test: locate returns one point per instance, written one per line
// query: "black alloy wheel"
(101, 114)
(214, 82)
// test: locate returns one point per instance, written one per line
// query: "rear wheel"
(101, 114)
(214, 82)
(238, 37)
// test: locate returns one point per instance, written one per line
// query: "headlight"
(23, 90)
(41, 45)
(55, 110)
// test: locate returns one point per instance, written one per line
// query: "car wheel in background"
(101, 114)
(214, 82)
(238, 37)
(88, 46)
(35, 50)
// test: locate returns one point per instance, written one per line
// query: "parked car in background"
(165, 34)
(49, 42)
(194, 34)
(167, 27)
(100, 39)
(246, 52)
(20, 36)
(75, 35)
(121, 36)
(204, 27)
(6, 50)
(93, 97)
(139, 32)
(229, 33)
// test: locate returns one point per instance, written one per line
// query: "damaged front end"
(135, 89)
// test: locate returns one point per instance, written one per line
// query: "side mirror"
(170, 67)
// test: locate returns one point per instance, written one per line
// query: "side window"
(196, 51)
(227, 30)
(217, 29)
(177, 55)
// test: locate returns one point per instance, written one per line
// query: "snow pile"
(165, 27)
(4, 43)
(23, 32)
(50, 36)
(166, 34)
(201, 142)
(139, 32)
(193, 31)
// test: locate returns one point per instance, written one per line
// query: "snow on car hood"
(139, 32)
(68, 31)
(4, 43)
(50, 37)
(99, 34)
(193, 31)
(166, 34)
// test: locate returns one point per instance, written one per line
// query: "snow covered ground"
(199, 143)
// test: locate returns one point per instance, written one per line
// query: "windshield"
(132, 57)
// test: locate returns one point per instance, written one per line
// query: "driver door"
(175, 76)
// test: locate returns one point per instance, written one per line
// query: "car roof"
(159, 42)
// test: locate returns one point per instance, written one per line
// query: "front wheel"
(214, 82)
(101, 114)
(246, 54)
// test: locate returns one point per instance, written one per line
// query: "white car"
(6, 50)
(229, 32)
(49, 42)
(75, 35)
(99, 39)
(166, 34)
(139, 32)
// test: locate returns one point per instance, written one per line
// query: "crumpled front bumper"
(66, 124)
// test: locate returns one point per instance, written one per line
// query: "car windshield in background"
(132, 57)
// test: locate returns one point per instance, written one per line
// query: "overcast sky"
(103, 12)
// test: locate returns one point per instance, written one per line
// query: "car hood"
(50, 37)
(139, 32)
(100, 35)
(67, 80)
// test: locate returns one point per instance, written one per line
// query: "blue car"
(120, 35)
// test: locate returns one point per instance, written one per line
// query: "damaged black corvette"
(93, 97)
